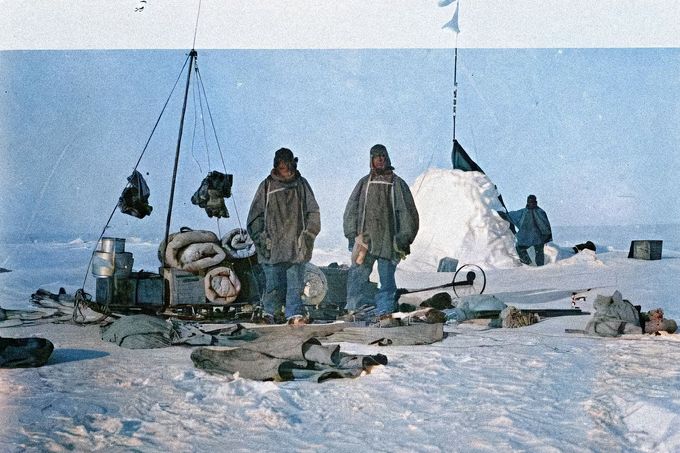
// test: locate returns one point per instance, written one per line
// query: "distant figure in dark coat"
(380, 223)
(534, 231)
(283, 222)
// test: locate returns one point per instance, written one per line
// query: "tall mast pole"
(192, 56)
(455, 87)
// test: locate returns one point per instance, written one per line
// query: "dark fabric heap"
(583, 246)
(280, 355)
(290, 357)
(24, 352)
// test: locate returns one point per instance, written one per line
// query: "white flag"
(453, 23)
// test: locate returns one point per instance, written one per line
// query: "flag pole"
(455, 86)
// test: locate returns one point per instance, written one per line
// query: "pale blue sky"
(592, 132)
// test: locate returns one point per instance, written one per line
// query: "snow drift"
(458, 219)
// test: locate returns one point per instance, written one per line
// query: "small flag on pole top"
(453, 23)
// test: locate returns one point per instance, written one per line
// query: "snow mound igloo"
(458, 219)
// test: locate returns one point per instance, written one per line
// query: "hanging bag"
(135, 198)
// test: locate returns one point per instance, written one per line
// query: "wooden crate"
(139, 289)
(184, 288)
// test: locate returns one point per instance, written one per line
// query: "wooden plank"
(314, 330)
(351, 332)
(414, 334)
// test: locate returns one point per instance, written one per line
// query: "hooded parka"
(534, 227)
(284, 220)
(382, 209)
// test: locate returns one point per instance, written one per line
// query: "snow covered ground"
(535, 388)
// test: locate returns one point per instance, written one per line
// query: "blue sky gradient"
(592, 132)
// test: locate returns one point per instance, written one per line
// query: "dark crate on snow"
(252, 279)
(140, 289)
(447, 264)
(645, 250)
(336, 277)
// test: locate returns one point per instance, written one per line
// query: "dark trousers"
(524, 256)
(357, 281)
(284, 285)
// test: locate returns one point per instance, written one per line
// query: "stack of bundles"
(192, 251)
(200, 252)
(222, 286)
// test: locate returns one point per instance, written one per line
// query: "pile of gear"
(616, 316)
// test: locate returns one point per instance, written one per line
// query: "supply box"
(645, 250)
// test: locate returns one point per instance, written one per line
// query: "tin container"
(112, 264)
(111, 245)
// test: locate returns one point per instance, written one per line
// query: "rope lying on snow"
(83, 299)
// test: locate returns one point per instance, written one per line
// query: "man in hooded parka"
(534, 231)
(381, 214)
(283, 222)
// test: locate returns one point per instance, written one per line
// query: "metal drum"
(112, 264)
(111, 245)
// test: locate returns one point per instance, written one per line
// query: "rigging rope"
(162, 111)
(217, 141)
(224, 167)
(82, 300)
(212, 122)
(205, 138)
(193, 133)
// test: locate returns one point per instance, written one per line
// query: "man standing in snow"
(283, 222)
(380, 222)
(534, 231)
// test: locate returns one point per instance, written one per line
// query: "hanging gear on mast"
(214, 189)
(135, 198)
(176, 291)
